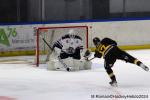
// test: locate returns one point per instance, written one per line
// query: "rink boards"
(20, 39)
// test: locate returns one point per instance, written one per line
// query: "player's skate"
(144, 67)
(113, 83)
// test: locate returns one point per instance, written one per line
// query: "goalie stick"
(52, 50)
(65, 66)
(48, 44)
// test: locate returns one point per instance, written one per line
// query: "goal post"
(52, 34)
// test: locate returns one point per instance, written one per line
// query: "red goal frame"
(57, 27)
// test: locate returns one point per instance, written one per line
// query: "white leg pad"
(81, 64)
(54, 65)
(87, 65)
(75, 65)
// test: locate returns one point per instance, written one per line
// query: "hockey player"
(69, 48)
(109, 50)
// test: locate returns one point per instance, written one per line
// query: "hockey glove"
(87, 54)
(97, 54)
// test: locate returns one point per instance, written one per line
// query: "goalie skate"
(113, 83)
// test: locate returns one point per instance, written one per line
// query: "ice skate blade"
(114, 85)
(146, 68)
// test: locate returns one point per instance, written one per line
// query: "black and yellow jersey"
(105, 46)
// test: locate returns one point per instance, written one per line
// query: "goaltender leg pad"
(87, 65)
(77, 65)
(54, 63)
(73, 64)
(80, 65)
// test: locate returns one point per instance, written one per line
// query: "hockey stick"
(65, 66)
(91, 59)
(49, 52)
(50, 42)
(87, 55)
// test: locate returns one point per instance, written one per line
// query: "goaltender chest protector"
(103, 49)
(71, 43)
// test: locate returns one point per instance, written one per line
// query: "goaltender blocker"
(110, 52)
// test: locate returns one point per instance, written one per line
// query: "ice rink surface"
(27, 82)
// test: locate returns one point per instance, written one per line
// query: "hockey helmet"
(96, 41)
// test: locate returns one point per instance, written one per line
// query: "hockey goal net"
(52, 34)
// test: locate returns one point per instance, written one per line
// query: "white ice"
(27, 82)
